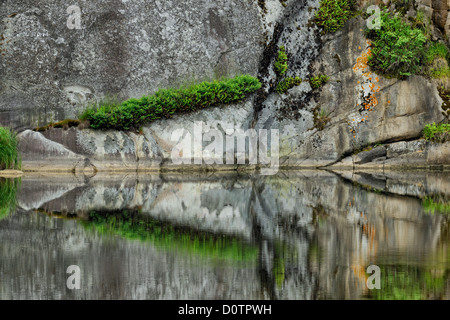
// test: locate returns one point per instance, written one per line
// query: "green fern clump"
(9, 155)
(133, 113)
(280, 64)
(288, 83)
(332, 14)
(398, 49)
(318, 81)
(437, 133)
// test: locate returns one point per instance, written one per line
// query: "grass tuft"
(9, 156)
(288, 83)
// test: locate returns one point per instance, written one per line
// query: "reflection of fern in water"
(134, 226)
(8, 191)
(436, 204)
(404, 282)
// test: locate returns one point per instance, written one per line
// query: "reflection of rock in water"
(307, 235)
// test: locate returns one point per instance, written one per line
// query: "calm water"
(297, 235)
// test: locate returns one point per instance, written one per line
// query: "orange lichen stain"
(368, 92)
(389, 101)
(359, 271)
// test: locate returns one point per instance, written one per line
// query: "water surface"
(297, 235)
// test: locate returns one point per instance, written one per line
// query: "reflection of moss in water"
(409, 283)
(8, 191)
(284, 256)
(314, 254)
(279, 271)
(133, 226)
(436, 204)
(319, 215)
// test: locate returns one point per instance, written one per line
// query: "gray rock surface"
(124, 48)
(138, 55)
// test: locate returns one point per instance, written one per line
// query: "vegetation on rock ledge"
(133, 113)
(332, 14)
(403, 47)
(398, 49)
(437, 133)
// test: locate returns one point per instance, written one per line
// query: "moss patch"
(318, 81)
(65, 124)
(288, 83)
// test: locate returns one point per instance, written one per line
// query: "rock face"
(119, 50)
(416, 154)
(49, 70)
